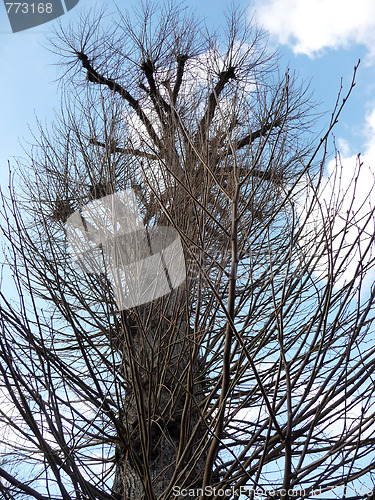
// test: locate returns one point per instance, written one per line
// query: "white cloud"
(346, 197)
(311, 26)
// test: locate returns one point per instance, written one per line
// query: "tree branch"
(157, 100)
(126, 151)
(95, 77)
(21, 486)
(181, 61)
(205, 123)
(249, 139)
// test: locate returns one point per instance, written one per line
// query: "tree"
(257, 371)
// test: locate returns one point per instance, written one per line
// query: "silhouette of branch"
(95, 77)
(181, 61)
(125, 151)
(249, 139)
(205, 123)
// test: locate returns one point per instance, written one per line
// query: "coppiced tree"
(257, 370)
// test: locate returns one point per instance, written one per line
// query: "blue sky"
(323, 52)
(320, 39)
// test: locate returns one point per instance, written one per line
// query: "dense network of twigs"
(257, 372)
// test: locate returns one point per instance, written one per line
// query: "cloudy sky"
(324, 39)
(321, 39)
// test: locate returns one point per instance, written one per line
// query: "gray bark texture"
(161, 406)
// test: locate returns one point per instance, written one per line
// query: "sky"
(322, 40)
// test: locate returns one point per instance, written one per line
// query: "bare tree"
(256, 372)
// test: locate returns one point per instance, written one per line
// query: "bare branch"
(262, 132)
(93, 76)
(212, 102)
(181, 61)
(126, 151)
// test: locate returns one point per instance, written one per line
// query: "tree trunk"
(159, 375)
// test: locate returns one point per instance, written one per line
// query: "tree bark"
(158, 368)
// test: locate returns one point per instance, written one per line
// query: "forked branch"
(95, 77)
